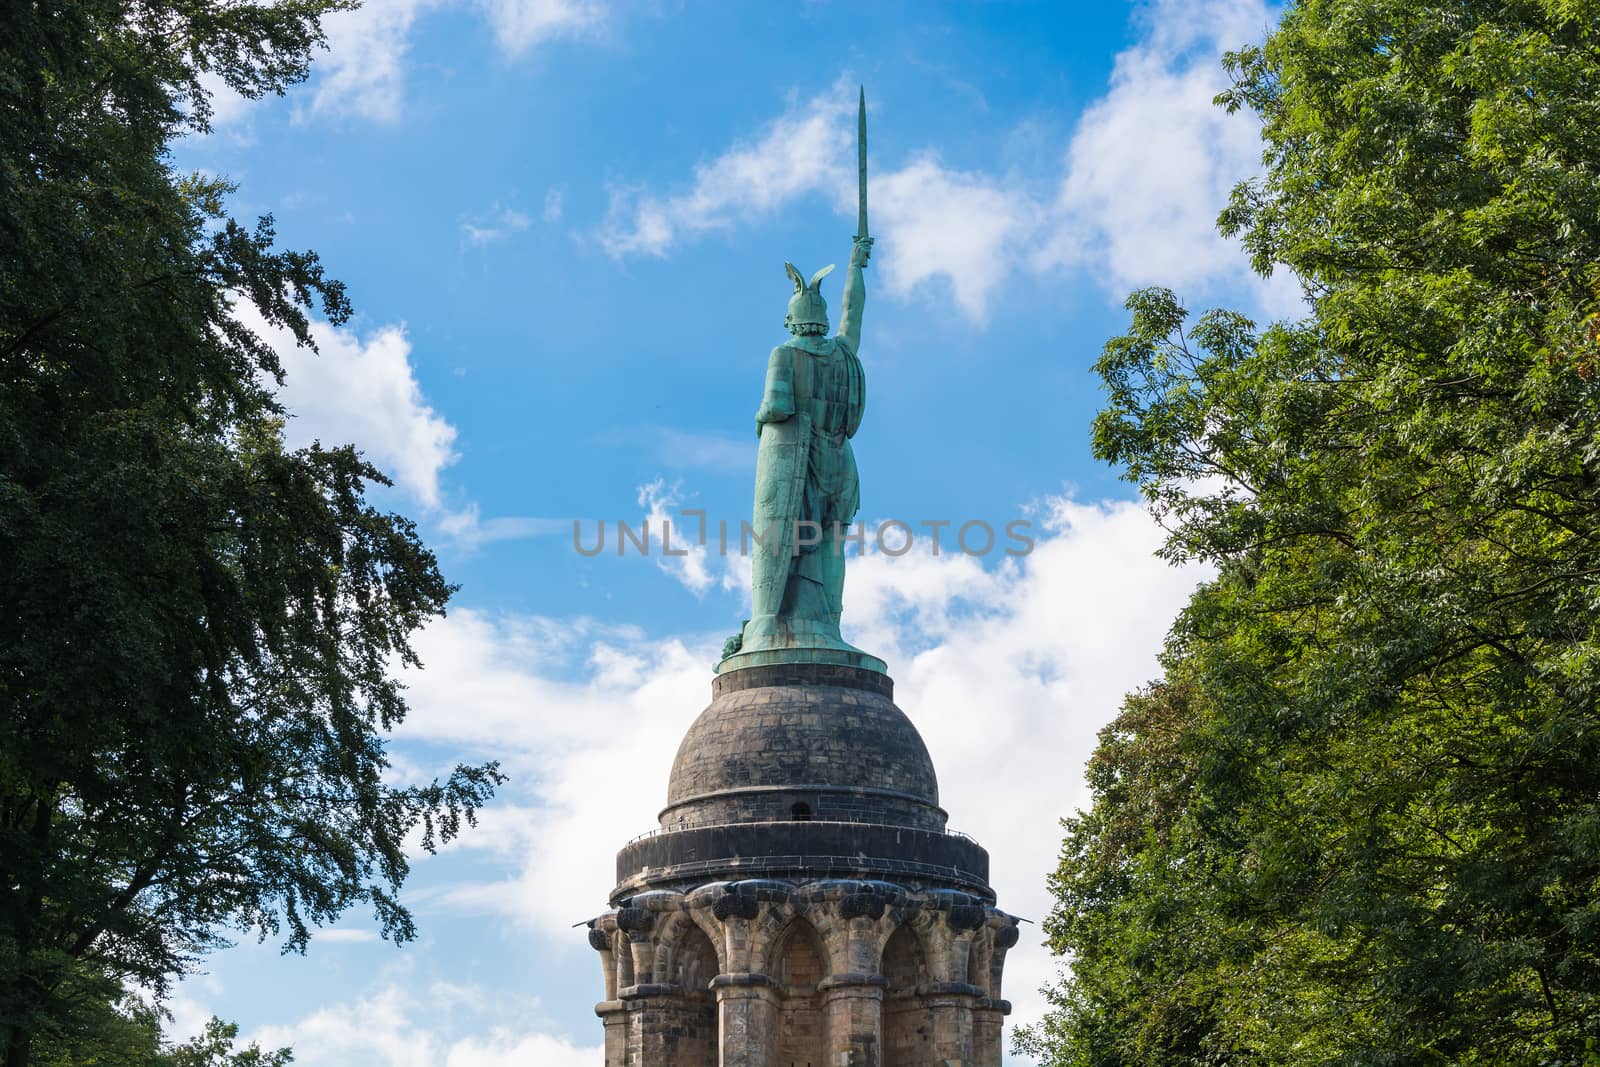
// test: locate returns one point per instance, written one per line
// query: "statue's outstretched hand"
(861, 251)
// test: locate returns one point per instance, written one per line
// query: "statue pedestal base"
(767, 657)
(770, 640)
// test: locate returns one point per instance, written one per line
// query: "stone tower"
(802, 903)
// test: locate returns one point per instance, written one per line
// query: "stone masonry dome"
(803, 741)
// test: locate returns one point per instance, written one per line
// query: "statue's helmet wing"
(806, 306)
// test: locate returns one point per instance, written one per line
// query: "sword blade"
(861, 163)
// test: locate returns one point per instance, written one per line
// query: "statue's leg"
(830, 560)
(765, 592)
(806, 603)
(781, 483)
(841, 513)
(833, 574)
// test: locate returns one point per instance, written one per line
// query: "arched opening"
(801, 812)
(801, 961)
(694, 966)
(697, 962)
(902, 961)
(907, 1023)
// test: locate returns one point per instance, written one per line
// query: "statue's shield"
(780, 485)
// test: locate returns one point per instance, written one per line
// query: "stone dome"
(800, 742)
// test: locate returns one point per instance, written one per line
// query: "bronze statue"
(807, 490)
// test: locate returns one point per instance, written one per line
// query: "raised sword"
(861, 164)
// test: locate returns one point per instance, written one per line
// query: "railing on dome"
(759, 864)
(663, 830)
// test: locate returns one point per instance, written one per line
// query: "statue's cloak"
(805, 469)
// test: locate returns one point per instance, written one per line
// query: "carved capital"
(649, 989)
(734, 906)
(635, 922)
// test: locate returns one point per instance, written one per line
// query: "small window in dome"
(801, 812)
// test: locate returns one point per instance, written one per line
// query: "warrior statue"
(806, 486)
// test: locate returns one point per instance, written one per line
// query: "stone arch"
(695, 962)
(853, 919)
(934, 937)
(768, 932)
(694, 965)
(716, 931)
(908, 1025)
(904, 963)
(799, 962)
(799, 956)
(670, 934)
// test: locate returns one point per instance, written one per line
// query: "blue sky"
(563, 224)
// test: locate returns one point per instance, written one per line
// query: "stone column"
(988, 1019)
(747, 1019)
(667, 1027)
(951, 1004)
(614, 1015)
(852, 1013)
(989, 1014)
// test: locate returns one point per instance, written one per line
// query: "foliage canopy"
(1358, 821)
(197, 625)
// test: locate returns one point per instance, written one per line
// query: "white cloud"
(189, 1013)
(521, 24)
(1152, 162)
(588, 756)
(1144, 176)
(499, 222)
(397, 1027)
(691, 561)
(1008, 671)
(362, 74)
(799, 153)
(467, 529)
(965, 227)
(362, 391)
(1009, 674)
(932, 222)
(554, 201)
(507, 1050)
(229, 110)
(382, 1029)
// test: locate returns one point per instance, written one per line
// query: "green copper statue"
(806, 485)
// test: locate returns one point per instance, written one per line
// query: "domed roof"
(827, 741)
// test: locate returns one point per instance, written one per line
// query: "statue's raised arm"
(855, 293)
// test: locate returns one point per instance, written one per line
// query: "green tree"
(1384, 846)
(98, 1025)
(197, 625)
